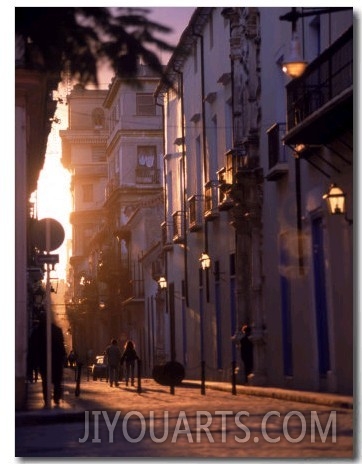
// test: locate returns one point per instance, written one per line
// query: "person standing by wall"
(38, 353)
(246, 351)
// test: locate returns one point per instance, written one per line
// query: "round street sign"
(56, 235)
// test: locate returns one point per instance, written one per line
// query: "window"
(87, 193)
(146, 172)
(147, 156)
(145, 104)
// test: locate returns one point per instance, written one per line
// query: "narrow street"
(119, 422)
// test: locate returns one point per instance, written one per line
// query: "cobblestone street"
(120, 422)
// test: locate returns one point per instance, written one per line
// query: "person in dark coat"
(246, 351)
(129, 356)
(113, 354)
(38, 353)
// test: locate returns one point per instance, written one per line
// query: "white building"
(134, 205)
(84, 155)
(113, 148)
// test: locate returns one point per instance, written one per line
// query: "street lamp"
(295, 65)
(162, 282)
(205, 261)
(336, 201)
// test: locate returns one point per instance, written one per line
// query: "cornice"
(81, 139)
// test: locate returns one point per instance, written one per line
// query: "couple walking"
(116, 358)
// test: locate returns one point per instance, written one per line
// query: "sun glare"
(53, 193)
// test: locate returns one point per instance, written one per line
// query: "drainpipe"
(184, 196)
(162, 106)
(206, 232)
(299, 216)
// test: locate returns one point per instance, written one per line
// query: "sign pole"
(48, 321)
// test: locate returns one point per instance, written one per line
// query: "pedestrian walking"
(114, 355)
(129, 356)
(72, 359)
(38, 354)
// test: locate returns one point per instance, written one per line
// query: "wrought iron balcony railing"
(326, 78)
(195, 212)
(178, 219)
(211, 210)
(146, 175)
(166, 234)
(277, 151)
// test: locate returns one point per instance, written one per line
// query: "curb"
(324, 399)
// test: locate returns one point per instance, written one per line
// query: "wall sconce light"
(162, 282)
(336, 201)
(205, 261)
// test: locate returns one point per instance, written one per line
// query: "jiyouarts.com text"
(272, 427)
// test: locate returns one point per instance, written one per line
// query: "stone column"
(246, 187)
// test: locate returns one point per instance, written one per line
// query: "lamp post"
(48, 317)
(205, 263)
(50, 235)
(163, 285)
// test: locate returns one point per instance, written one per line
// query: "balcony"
(146, 175)
(167, 243)
(278, 165)
(224, 200)
(178, 220)
(195, 213)
(320, 102)
(235, 160)
(211, 210)
(157, 267)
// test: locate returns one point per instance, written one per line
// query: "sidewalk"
(72, 407)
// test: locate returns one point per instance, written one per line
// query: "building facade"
(307, 252)
(113, 147)
(34, 108)
(249, 155)
(84, 146)
(134, 205)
